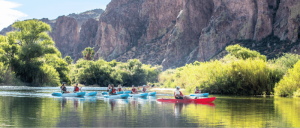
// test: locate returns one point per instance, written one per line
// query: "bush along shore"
(28, 55)
(241, 72)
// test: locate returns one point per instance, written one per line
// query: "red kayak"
(202, 100)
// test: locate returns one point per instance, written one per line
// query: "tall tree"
(88, 53)
(68, 59)
(35, 44)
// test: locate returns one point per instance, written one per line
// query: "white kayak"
(121, 96)
(78, 94)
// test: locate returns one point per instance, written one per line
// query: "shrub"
(244, 53)
(287, 61)
(297, 93)
(227, 76)
(290, 82)
(46, 76)
(102, 73)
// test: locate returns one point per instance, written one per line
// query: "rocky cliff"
(71, 33)
(173, 33)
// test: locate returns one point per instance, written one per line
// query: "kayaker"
(197, 91)
(119, 88)
(112, 91)
(63, 88)
(108, 88)
(134, 90)
(76, 88)
(179, 95)
(144, 89)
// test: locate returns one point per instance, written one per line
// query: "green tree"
(88, 53)
(35, 43)
(60, 65)
(8, 49)
(68, 59)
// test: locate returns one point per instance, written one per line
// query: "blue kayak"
(124, 92)
(78, 94)
(104, 93)
(121, 96)
(127, 92)
(151, 93)
(200, 95)
(120, 92)
(91, 94)
(139, 95)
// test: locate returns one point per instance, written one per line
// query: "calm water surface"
(35, 107)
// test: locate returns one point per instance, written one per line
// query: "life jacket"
(119, 89)
(76, 89)
(133, 89)
(64, 89)
(144, 89)
(108, 89)
(197, 91)
(113, 91)
(180, 94)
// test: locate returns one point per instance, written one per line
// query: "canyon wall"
(71, 33)
(173, 33)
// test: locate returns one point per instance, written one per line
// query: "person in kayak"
(63, 88)
(179, 95)
(76, 88)
(112, 91)
(134, 90)
(144, 89)
(197, 91)
(108, 88)
(119, 88)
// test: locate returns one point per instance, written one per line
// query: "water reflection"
(226, 111)
(177, 109)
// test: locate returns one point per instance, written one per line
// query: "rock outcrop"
(173, 33)
(287, 20)
(72, 33)
(65, 34)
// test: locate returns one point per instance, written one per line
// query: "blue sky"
(12, 10)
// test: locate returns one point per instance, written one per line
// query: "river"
(35, 107)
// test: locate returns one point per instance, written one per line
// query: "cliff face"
(156, 32)
(65, 34)
(173, 33)
(72, 33)
(287, 20)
